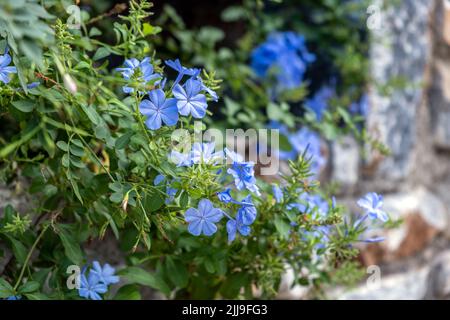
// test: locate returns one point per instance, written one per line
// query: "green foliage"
(90, 162)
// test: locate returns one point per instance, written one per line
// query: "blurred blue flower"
(170, 191)
(361, 107)
(277, 193)
(181, 159)
(204, 153)
(190, 100)
(373, 240)
(225, 196)
(303, 139)
(236, 225)
(91, 287)
(372, 203)
(158, 110)
(14, 298)
(146, 72)
(104, 274)
(203, 219)
(247, 213)
(244, 176)
(284, 55)
(319, 102)
(5, 69)
(211, 92)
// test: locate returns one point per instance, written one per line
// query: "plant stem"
(22, 271)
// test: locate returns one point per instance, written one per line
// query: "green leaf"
(123, 140)
(153, 202)
(282, 226)
(148, 29)
(142, 277)
(177, 272)
(19, 250)
(24, 105)
(36, 296)
(101, 53)
(71, 247)
(128, 292)
(91, 113)
(6, 290)
(29, 287)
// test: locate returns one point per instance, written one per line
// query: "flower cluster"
(97, 281)
(188, 99)
(203, 219)
(284, 55)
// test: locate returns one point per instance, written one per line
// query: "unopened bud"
(125, 202)
(69, 83)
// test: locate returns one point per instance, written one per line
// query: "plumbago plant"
(92, 146)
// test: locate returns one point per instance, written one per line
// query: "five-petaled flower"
(91, 287)
(105, 274)
(203, 219)
(190, 100)
(372, 203)
(5, 69)
(159, 109)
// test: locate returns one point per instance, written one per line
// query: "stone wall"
(412, 43)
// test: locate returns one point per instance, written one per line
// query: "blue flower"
(14, 298)
(203, 219)
(283, 55)
(242, 172)
(236, 225)
(225, 196)
(146, 72)
(247, 213)
(158, 179)
(182, 71)
(372, 203)
(91, 287)
(5, 69)
(204, 153)
(104, 274)
(319, 102)
(190, 100)
(277, 193)
(372, 240)
(159, 109)
(300, 207)
(181, 159)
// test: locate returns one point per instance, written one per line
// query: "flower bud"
(69, 83)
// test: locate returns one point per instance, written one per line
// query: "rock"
(401, 49)
(439, 92)
(424, 216)
(345, 162)
(410, 285)
(438, 279)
